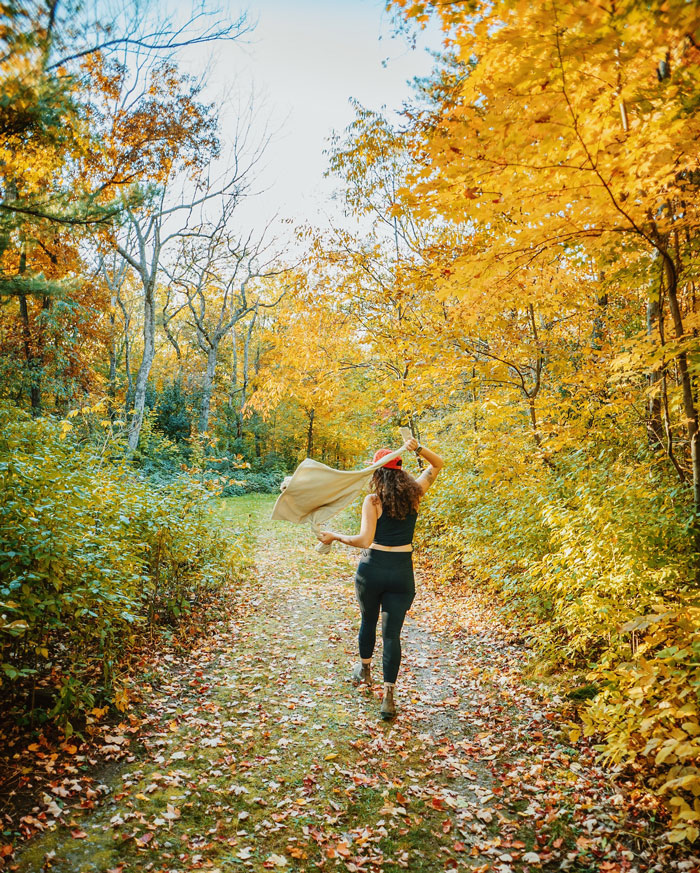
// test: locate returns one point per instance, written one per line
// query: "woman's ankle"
(366, 660)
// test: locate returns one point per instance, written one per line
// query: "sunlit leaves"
(564, 156)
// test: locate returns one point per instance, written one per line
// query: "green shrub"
(577, 550)
(249, 482)
(648, 713)
(158, 456)
(91, 554)
(592, 556)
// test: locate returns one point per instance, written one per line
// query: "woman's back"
(395, 531)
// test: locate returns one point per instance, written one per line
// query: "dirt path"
(257, 754)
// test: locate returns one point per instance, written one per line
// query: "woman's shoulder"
(372, 501)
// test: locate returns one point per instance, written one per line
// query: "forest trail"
(257, 753)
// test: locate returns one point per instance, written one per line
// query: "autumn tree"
(173, 137)
(557, 141)
(221, 279)
(588, 188)
(382, 263)
(308, 368)
(61, 184)
(45, 207)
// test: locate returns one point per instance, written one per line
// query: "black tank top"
(395, 531)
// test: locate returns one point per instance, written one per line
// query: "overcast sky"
(304, 61)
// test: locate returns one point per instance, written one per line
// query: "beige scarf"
(315, 493)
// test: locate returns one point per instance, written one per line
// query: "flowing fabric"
(316, 492)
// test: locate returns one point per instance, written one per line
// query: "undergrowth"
(591, 558)
(94, 555)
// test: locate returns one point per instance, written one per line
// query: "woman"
(384, 575)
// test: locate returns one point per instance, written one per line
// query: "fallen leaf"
(275, 861)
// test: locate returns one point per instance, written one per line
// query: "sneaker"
(361, 674)
(388, 708)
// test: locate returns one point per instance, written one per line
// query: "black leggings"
(384, 579)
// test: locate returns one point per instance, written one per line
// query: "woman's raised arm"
(427, 477)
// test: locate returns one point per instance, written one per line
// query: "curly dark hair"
(398, 492)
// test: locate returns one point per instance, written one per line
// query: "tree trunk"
(112, 355)
(208, 387)
(128, 399)
(689, 408)
(234, 369)
(310, 434)
(533, 420)
(598, 332)
(176, 346)
(655, 430)
(46, 305)
(149, 353)
(30, 358)
(244, 375)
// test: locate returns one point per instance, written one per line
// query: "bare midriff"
(407, 548)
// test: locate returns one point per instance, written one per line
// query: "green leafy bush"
(250, 482)
(577, 550)
(648, 713)
(92, 553)
(591, 557)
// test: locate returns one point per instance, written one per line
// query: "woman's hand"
(411, 445)
(326, 537)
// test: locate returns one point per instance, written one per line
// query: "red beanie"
(394, 464)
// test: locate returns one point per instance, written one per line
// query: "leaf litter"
(256, 753)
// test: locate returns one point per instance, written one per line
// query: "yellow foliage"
(556, 184)
(648, 710)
